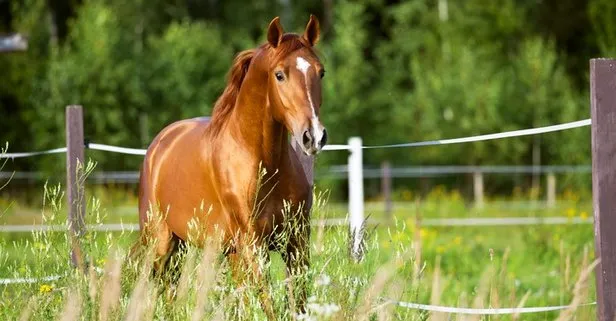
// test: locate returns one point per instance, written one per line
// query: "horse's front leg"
(297, 260)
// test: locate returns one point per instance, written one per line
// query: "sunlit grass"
(476, 267)
(468, 267)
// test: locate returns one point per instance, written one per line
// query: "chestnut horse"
(272, 91)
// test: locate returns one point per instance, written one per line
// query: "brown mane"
(225, 103)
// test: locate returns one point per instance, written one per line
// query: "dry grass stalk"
(27, 311)
(72, 308)
(437, 291)
(379, 281)
(92, 283)
(482, 292)
(320, 207)
(568, 271)
(139, 301)
(580, 290)
(515, 316)
(386, 311)
(186, 276)
(462, 302)
(205, 278)
(319, 243)
(417, 241)
(110, 298)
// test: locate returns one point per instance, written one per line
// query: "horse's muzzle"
(313, 142)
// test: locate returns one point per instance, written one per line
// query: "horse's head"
(294, 78)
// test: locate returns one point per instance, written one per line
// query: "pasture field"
(483, 266)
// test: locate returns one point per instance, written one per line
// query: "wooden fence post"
(478, 188)
(356, 197)
(386, 189)
(74, 190)
(551, 189)
(603, 139)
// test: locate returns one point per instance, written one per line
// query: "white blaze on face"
(303, 65)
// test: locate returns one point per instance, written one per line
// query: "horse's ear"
(313, 30)
(274, 32)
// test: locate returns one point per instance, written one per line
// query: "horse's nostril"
(306, 138)
(324, 138)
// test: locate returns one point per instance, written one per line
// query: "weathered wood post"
(478, 188)
(551, 189)
(74, 190)
(603, 138)
(356, 196)
(386, 189)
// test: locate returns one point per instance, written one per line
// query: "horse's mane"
(225, 103)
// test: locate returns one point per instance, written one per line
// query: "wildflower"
(457, 240)
(323, 280)
(45, 288)
(423, 233)
(39, 246)
(306, 317)
(385, 244)
(584, 215)
(326, 309)
(570, 212)
(407, 195)
(100, 262)
(440, 249)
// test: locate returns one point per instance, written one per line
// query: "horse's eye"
(279, 76)
(322, 73)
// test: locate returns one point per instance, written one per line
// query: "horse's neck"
(255, 125)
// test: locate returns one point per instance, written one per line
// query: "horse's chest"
(282, 206)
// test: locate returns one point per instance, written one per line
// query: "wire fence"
(402, 173)
(333, 147)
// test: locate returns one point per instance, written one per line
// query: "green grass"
(452, 266)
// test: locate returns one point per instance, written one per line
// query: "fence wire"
(334, 147)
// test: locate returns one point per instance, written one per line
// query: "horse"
(272, 96)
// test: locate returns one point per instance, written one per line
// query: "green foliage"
(403, 261)
(396, 72)
(602, 15)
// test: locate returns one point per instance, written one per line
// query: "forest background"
(397, 71)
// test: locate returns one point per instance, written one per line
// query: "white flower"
(306, 317)
(323, 280)
(326, 309)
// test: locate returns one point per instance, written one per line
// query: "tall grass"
(411, 267)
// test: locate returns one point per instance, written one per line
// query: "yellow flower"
(570, 212)
(583, 215)
(39, 246)
(423, 233)
(101, 261)
(45, 288)
(455, 195)
(457, 240)
(407, 195)
(440, 249)
(385, 244)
